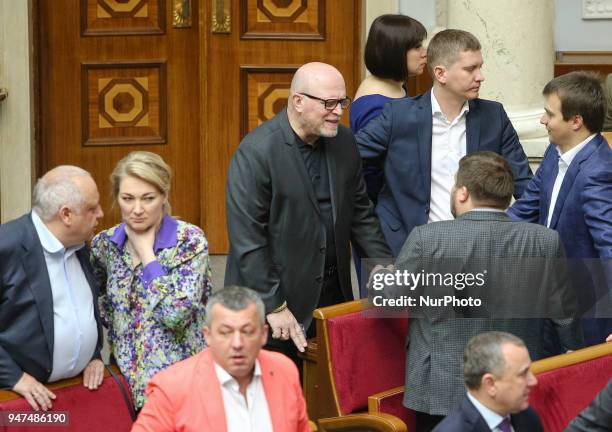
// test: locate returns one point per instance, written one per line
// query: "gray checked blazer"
(434, 370)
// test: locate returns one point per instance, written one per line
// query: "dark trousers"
(426, 422)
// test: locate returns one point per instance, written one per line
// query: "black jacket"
(277, 240)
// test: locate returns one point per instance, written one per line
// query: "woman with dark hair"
(394, 51)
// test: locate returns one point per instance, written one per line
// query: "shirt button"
(322, 249)
(319, 279)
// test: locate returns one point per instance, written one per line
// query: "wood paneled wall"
(597, 61)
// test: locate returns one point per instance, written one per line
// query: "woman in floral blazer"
(156, 272)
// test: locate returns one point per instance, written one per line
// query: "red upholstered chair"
(354, 370)
(102, 410)
(567, 383)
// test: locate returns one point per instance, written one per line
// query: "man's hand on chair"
(93, 374)
(38, 396)
(284, 326)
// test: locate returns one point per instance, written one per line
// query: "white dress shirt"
(491, 417)
(565, 160)
(448, 145)
(75, 333)
(247, 413)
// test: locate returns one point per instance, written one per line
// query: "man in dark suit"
(295, 199)
(417, 142)
(597, 417)
(496, 369)
(49, 323)
(572, 192)
(522, 265)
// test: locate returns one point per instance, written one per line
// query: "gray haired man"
(233, 385)
(48, 296)
(496, 369)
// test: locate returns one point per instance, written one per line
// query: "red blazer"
(187, 396)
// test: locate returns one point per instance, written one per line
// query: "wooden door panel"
(117, 77)
(264, 91)
(282, 19)
(112, 17)
(254, 63)
(123, 103)
(124, 80)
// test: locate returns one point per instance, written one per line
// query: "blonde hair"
(146, 166)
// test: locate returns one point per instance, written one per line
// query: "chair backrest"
(367, 355)
(100, 410)
(567, 383)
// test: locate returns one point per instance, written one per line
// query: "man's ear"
(463, 194)
(206, 332)
(577, 122)
(439, 73)
(65, 215)
(298, 102)
(265, 331)
(487, 383)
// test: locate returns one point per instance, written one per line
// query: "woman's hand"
(142, 243)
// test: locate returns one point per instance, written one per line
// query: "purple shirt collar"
(165, 238)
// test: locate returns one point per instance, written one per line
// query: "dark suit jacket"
(581, 217)
(525, 269)
(277, 239)
(597, 417)
(26, 304)
(399, 143)
(466, 418)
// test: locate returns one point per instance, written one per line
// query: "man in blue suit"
(417, 142)
(572, 192)
(496, 370)
(49, 319)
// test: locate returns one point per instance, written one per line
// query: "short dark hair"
(235, 298)
(488, 178)
(581, 93)
(483, 354)
(445, 47)
(389, 39)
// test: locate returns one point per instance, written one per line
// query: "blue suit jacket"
(26, 304)
(466, 418)
(582, 216)
(399, 143)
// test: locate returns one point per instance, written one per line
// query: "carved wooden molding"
(282, 19)
(123, 103)
(267, 99)
(122, 17)
(596, 9)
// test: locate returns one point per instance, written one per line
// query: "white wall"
(572, 33)
(422, 11)
(15, 111)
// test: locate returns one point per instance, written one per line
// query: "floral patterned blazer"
(154, 314)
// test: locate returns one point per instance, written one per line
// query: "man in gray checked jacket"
(526, 285)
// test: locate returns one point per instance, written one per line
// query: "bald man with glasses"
(295, 200)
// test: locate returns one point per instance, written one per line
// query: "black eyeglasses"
(331, 104)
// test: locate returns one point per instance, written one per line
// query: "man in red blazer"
(233, 385)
